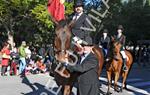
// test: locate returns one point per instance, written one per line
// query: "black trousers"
(3, 70)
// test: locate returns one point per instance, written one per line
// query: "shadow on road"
(38, 89)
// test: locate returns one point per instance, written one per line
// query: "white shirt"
(119, 35)
(28, 52)
(83, 57)
(76, 16)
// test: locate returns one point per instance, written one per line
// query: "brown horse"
(114, 67)
(63, 54)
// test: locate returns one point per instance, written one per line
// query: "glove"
(70, 68)
(75, 38)
(66, 64)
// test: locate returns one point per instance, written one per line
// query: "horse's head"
(63, 41)
(115, 46)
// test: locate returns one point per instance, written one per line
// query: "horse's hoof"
(121, 89)
(101, 92)
(117, 90)
(108, 93)
(125, 87)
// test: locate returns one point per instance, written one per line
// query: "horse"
(64, 54)
(114, 67)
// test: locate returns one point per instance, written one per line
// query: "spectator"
(41, 67)
(22, 55)
(42, 51)
(14, 61)
(5, 58)
(28, 54)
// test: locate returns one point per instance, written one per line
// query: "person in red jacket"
(5, 58)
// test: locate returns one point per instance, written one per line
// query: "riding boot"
(124, 65)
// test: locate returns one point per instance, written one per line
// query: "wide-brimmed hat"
(79, 3)
(120, 27)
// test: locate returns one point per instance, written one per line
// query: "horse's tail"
(130, 57)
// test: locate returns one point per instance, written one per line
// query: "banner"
(56, 9)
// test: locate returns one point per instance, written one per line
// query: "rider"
(88, 63)
(104, 42)
(122, 38)
(79, 19)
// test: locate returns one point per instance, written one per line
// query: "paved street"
(138, 83)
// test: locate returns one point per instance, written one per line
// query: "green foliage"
(28, 17)
(41, 14)
(134, 16)
(68, 8)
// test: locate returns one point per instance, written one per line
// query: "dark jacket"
(122, 40)
(88, 80)
(105, 42)
(82, 34)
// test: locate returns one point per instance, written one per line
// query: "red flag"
(56, 9)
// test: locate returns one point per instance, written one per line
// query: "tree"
(134, 16)
(14, 14)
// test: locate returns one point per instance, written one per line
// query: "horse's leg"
(115, 81)
(109, 82)
(67, 90)
(100, 67)
(124, 76)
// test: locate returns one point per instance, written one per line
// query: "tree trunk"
(10, 36)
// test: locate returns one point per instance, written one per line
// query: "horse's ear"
(112, 39)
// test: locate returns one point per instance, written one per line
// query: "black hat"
(105, 31)
(120, 27)
(79, 3)
(87, 41)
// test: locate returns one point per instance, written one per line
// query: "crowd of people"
(142, 55)
(24, 59)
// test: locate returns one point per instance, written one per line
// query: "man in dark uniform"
(88, 83)
(104, 42)
(79, 19)
(122, 38)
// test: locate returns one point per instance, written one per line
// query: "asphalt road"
(138, 83)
